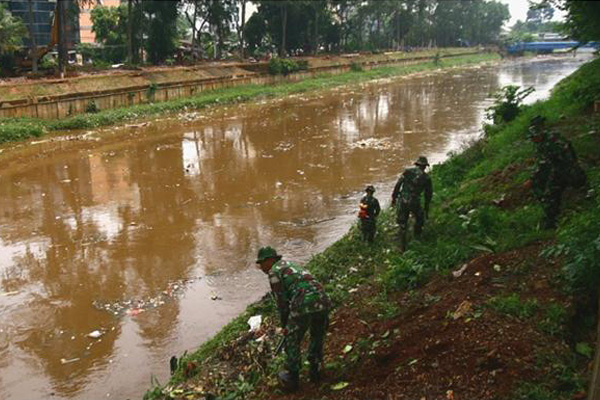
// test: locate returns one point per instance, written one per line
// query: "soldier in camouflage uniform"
(303, 305)
(556, 168)
(368, 212)
(406, 197)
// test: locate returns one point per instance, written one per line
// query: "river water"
(147, 233)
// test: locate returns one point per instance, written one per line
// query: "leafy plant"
(512, 305)
(151, 91)
(554, 319)
(285, 66)
(92, 107)
(507, 103)
(404, 272)
(356, 67)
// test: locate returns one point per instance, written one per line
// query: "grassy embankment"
(482, 208)
(24, 128)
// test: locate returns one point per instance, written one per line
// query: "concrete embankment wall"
(64, 105)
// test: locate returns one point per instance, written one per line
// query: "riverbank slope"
(487, 305)
(16, 129)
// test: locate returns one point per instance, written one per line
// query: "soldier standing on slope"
(303, 305)
(556, 168)
(406, 197)
(369, 210)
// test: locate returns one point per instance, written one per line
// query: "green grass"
(14, 129)
(514, 306)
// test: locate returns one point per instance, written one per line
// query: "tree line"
(215, 29)
(162, 32)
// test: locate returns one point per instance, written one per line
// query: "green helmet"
(267, 252)
(535, 131)
(422, 161)
(536, 121)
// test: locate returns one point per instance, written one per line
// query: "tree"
(539, 13)
(219, 14)
(66, 10)
(239, 25)
(162, 30)
(192, 14)
(582, 19)
(34, 50)
(12, 31)
(110, 27)
(130, 31)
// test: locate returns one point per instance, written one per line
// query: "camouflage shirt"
(296, 291)
(412, 183)
(371, 206)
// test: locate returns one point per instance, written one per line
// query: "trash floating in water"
(133, 307)
(95, 334)
(373, 143)
(64, 361)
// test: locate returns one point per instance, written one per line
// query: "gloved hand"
(282, 331)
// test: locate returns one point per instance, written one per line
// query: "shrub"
(356, 67)
(92, 107)
(404, 272)
(507, 104)
(512, 305)
(285, 66)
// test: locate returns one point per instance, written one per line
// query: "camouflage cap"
(267, 252)
(422, 161)
(370, 188)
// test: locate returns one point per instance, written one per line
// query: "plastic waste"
(95, 334)
(255, 322)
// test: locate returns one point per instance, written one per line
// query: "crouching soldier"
(303, 305)
(368, 212)
(406, 196)
(556, 168)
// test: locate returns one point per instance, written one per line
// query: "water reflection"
(125, 216)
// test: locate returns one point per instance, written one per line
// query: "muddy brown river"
(121, 247)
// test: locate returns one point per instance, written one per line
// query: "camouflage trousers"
(368, 227)
(316, 323)
(403, 213)
(551, 205)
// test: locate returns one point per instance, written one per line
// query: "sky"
(518, 11)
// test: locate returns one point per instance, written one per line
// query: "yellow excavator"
(24, 60)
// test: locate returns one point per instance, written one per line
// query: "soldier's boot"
(289, 381)
(418, 231)
(549, 223)
(403, 239)
(314, 375)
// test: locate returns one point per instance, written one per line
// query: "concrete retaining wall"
(63, 106)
